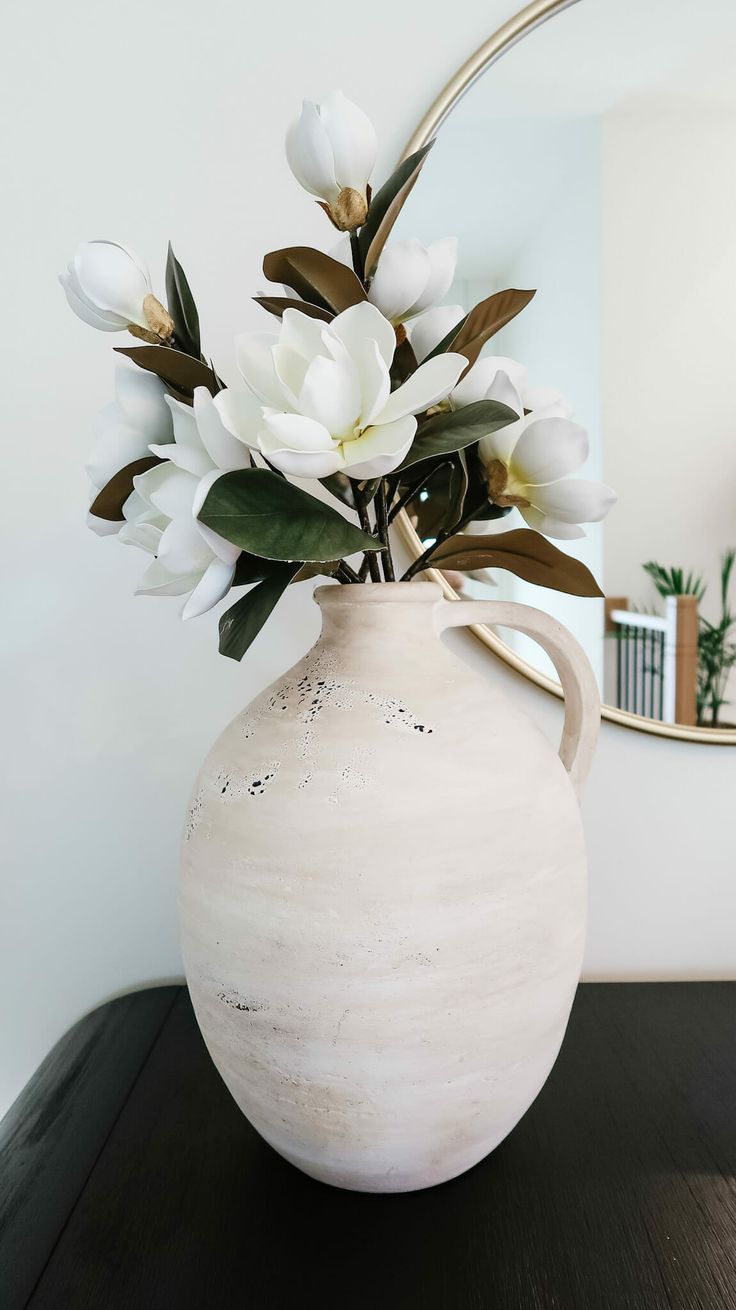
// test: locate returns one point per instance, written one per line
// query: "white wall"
(166, 120)
(669, 336)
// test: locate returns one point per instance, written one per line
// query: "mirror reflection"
(595, 162)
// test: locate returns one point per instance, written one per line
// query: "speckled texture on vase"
(383, 896)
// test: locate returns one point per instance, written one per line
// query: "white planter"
(383, 893)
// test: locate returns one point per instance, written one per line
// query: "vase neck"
(383, 616)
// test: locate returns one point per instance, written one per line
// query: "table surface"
(128, 1178)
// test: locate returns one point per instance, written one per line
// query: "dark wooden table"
(128, 1178)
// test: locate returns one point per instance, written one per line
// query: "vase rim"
(382, 593)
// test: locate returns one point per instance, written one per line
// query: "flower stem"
(345, 573)
(387, 562)
(424, 561)
(358, 265)
(365, 524)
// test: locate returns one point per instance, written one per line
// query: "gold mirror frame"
(521, 25)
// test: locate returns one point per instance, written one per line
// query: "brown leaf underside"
(317, 277)
(108, 504)
(174, 368)
(278, 304)
(523, 552)
(486, 319)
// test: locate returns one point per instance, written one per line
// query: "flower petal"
(113, 279)
(549, 449)
(196, 462)
(158, 581)
(361, 322)
(331, 395)
(380, 449)
(298, 431)
(551, 527)
(480, 379)
(302, 461)
(146, 536)
(374, 379)
(167, 489)
(241, 414)
(442, 264)
(103, 527)
(223, 449)
(574, 500)
(500, 444)
(309, 154)
(186, 432)
(547, 398)
(432, 326)
(431, 382)
(214, 584)
(115, 446)
(401, 276)
(353, 139)
(182, 548)
(254, 356)
(141, 397)
(95, 318)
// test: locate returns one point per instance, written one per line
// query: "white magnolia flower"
(124, 430)
(426, 332)
(331, 150)
(106, 285)
(322, 399)
(161, 513)
(496, 377)
(411, 277)
(527, 465)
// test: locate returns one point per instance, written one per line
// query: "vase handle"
(579, 686)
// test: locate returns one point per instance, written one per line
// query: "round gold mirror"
(596, 163)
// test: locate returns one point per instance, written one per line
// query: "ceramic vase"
(383, 892)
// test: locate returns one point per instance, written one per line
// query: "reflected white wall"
(669, 336)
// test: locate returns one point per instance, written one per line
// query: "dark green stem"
(345, 573)
(425, 560)
(365, 524)
(358, 265)
(387, 562)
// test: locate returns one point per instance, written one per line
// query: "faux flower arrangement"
(369, 386)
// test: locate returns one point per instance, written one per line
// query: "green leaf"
(386, 205)
(277, 304)
(251, 568)
(174, 368)
(315, 276)
(404, 363)
(339, 486)
(456, 429)
(325, 569)
(527, 554)
(470, 335)
(182, 307)
(445, 483)
(270, 517)
(108, 504)
(240, 625)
